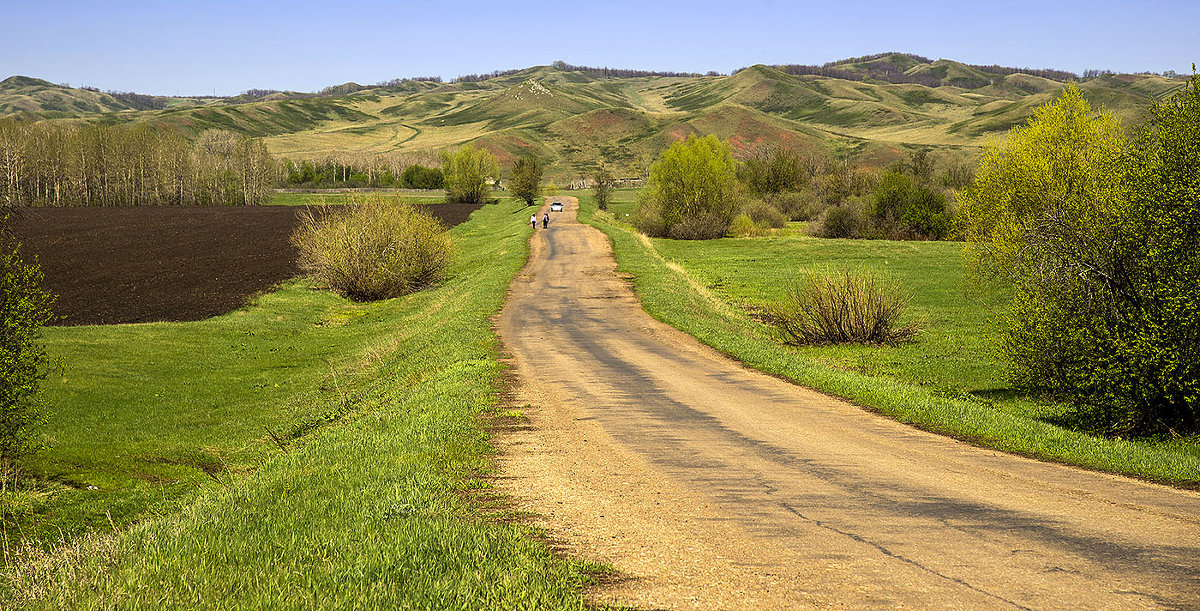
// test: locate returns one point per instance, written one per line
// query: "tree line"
(49, 164)
(360, 171)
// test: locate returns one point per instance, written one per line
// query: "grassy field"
(948, 380)
(303, 452)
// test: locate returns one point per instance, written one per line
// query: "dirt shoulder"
(714, 486)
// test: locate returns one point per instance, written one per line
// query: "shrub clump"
(841, 308)
(1099, 237)
(691, 192)
(373, 249)
(24, 309)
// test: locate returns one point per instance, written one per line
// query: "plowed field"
(127, 265)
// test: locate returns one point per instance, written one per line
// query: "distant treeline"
(365, 171)
(475, 78)
(137, 101)
(624, 73)
(46, 164)
(396, 82)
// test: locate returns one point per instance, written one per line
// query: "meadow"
(949, 380)
(303, 451)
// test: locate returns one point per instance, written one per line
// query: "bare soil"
(144, 264)
(712, 486)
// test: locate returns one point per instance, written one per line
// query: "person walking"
(546, 221)
(533, 221)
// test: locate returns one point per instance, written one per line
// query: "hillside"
(872, 108)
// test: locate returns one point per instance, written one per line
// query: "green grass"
(376, 496)
(948, 381)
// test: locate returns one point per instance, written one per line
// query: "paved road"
(714, 486)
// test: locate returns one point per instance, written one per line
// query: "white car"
(556, 207)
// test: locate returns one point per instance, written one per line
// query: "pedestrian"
(533, 221)
(546, 221)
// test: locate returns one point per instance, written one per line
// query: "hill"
(572, 118)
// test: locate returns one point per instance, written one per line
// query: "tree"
(692, 191)
(24, 309)
(907, 208)
(526, 181)
(466, 173)
(602, 188)
(1100, 239)
(775, 170)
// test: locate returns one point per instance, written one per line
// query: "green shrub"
(841, 308)
(693, 184)
(844, 221)
(907, 208)
(373, 249)
(24, 309)
(764, 215)
(421, 177)
(703, 226)
(803, 205)
(743, 226)
(1100, 238)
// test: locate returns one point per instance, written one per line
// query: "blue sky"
(225, 47)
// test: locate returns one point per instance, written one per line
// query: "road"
(709, 485)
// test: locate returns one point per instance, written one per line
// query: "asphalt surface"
(709, 485)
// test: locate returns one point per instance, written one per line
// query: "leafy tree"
(24, 309)
(421, 177)
(905, 207)
(603, 182)
(692, 191)
(775, 170)
(526, 181)
(466, 173)
(1101, 241)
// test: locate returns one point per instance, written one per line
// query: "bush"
(764, 215)
(841, 308)
(703, 226)
(905, 208)
(845, 221)
(743, 226)
(802, 205)
(24, 309)
(421, 177)
(692, 179)
(373, 249)
(1100, 239)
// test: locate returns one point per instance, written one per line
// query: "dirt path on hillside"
(713, 486)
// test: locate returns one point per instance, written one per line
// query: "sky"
(220, 47)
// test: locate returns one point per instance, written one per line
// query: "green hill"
(871, 108)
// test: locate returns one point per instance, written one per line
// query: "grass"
(948, 380)
(303, 452)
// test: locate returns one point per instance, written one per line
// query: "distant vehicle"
(556, 207)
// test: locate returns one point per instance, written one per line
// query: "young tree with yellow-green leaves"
(467, 172)
(1100, 239)
(692, 191)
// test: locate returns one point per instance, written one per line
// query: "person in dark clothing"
(545, 221)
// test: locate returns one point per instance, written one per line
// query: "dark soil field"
(143, 264)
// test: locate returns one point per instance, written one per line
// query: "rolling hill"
(871, 108)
